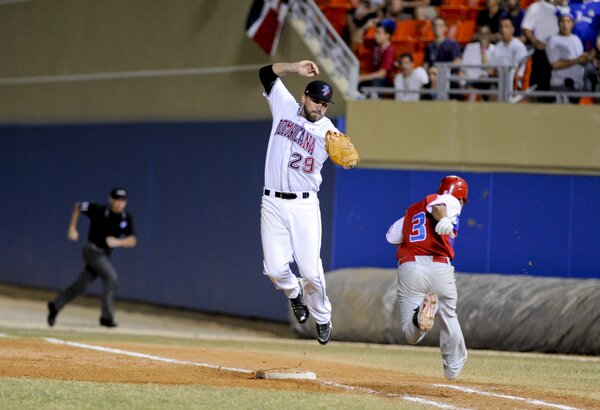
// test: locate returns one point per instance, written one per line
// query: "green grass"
(51, 394)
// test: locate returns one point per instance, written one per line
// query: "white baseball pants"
(291, 231)
(415, 280)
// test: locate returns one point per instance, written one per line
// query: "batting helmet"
(455, 186)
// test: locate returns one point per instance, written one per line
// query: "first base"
(285, 374)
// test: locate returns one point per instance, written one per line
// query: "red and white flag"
(265, 21)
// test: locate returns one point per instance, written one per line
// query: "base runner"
(426, 282)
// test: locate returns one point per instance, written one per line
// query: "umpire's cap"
(320, 90)
(118, 193)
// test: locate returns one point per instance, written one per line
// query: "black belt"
(286, 195)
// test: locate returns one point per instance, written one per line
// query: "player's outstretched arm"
(304, 68)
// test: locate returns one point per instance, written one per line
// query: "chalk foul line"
(473, 390)
(413, 399)
(144, 356)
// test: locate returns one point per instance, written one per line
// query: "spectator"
(587, 21)
(509, 51)
(432, 73)
(490, 16)
(359, 20)
(587, 26)
(443, 50)
(395, 9)
(566, 55)
(382, 69)
(516, 14)
(539, 23)
(478, 52)
(409, 78)
(421, 9)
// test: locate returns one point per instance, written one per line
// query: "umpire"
(111, 227)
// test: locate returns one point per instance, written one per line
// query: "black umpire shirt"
(104, 222)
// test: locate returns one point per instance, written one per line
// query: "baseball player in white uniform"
(290, 214)
(425, 237)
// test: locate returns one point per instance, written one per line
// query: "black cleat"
(324, 332)
(52, 313)
(299, 305)
(108, 322)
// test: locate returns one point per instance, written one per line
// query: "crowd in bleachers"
(554, 44)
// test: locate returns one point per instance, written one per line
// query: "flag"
(265, 21)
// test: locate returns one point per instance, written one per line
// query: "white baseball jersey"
(296, 150)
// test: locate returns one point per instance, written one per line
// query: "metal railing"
(345, 65)
(451, 84)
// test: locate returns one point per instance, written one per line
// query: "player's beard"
(312, 117)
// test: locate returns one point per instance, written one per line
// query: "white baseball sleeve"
(394, 234)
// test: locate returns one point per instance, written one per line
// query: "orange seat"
(465, 31)
(337, 16)
(526, 3)
(404, 46)
(419, 58)
(453, 14)
(586, 101)
(406, 29)
(456, 3)
(524, 79)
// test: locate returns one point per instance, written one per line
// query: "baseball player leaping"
(426, 282)
(290, 224)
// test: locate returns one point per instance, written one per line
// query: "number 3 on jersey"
(299, 163)
(418, 232)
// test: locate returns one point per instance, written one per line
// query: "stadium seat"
(464, 3)
(337, 16)
(407, 45)
(522, 82)
(453, 14)
(465, 31)
(419, 58)
(526, 3)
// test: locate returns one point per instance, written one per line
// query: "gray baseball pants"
(97, 263)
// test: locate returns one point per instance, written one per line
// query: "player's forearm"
(127, 242)
(75, 216)
(281, 69)
(439, 212)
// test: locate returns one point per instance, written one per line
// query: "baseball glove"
(340, 149)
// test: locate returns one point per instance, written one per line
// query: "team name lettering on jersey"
(296, 133)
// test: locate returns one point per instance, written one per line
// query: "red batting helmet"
(455, 186)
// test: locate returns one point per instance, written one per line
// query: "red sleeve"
(387, 60)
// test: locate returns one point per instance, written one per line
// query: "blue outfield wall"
(524, 224)
(195, 196)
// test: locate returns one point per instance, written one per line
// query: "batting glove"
(444, 226)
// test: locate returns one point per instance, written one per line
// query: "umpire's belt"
(435, 258)
(287, 195)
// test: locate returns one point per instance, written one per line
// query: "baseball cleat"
(52, 313)
(108, 322)
(427, 312)
(299, 305)
(324, 332)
